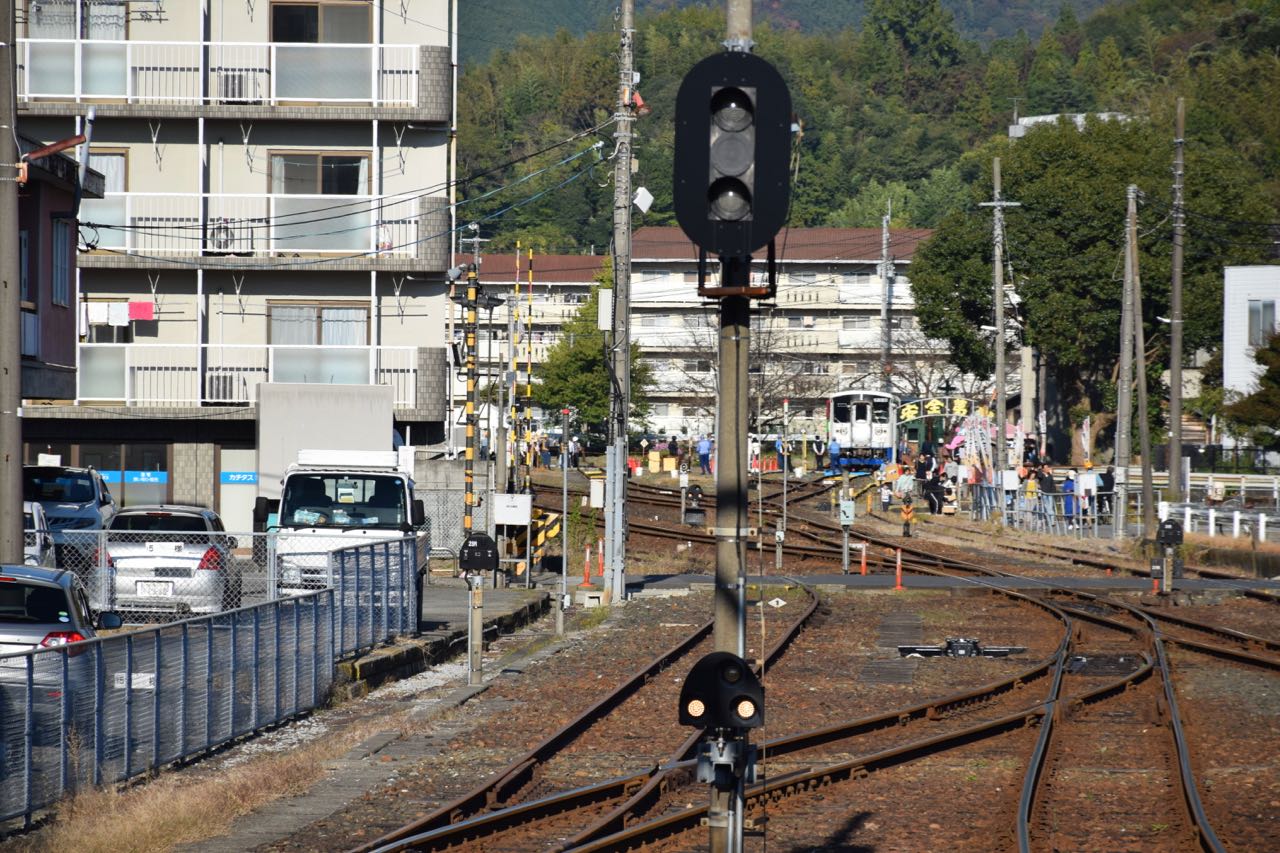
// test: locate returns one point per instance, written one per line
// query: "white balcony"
(218, 73)
(191, 224)
(217, 374)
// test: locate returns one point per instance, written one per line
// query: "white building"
(276, 209)
(1249, 298)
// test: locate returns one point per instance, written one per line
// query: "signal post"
(731, 190)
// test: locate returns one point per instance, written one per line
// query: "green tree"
(1064, 247)
(575, 372)
(1050, 86)
(1259, 413)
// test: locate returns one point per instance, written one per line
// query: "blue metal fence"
(108, 709)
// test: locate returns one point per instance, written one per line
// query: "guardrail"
(1218, 521)
(229, 374)
(108, 709)
(257, 225)
(218, 73)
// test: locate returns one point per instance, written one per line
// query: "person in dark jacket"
(1106, 488)
(933, 491)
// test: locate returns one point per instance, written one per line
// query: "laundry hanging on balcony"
(117, 314)
(142, 310)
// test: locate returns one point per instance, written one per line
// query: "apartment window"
(696, 366)
(860, 322)
(653, 275)
(63, 248)
(114, 168)
(795, 322)
(313, 173)
(322, 325)
(1262, 321)
(902, 323)
(690, 411)
(804, 277)
(68, 19)
(321, 23)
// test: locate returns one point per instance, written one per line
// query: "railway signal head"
(732, 153)
(722, 692)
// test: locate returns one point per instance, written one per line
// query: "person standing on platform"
(833, 456)
(704, 454)
(886, 496)
(908, 515)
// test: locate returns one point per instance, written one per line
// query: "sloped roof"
(794, 244)
(559, 269)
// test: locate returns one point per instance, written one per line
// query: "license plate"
(140, 681)
(293, 575)
(155, 588)
(164, 547)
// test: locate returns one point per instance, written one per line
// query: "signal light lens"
(732, 154)
(730, 199)
(731, 673)
(696, 708)
(745, 709)
(732, 110)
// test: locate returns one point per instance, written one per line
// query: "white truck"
(331, 499)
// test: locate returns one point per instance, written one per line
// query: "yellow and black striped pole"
(528, 386)
(469, 466)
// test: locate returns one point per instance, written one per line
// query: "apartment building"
(835, 315)
(276, 209)
(827, 330)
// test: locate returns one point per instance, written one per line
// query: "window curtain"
(277, 175)
(293, 325)
(112, 168)
(363, 187)
(343, 326)
(56, 19)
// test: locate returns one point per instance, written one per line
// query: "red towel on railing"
(142, 310)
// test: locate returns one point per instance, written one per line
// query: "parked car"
(37, 539)
(73, 499)
(172, 560)
(41, 608)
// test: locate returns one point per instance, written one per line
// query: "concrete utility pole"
(1001, 460)
(1175, 316)
(10, 310)
(1124, 382)
(886, 301)
(564, 519)
(616, 512)
(1140, 365)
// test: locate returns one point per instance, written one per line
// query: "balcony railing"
(254, 225)
(218, 374)
(218, 73)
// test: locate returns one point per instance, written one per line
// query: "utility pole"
(886, 301)
(10, 309)
(1140, 365)
(1124, 382)
(998, 205)
(1175, 316)
(563, 598)
(616, 512)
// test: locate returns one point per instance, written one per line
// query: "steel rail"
(487, 794)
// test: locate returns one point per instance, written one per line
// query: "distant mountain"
(486, 25)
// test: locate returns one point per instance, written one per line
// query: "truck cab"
(332, 499)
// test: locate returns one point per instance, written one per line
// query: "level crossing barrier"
(105, 710)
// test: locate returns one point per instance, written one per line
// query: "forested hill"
(487, 25)
(903, 107)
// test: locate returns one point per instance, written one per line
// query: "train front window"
(840, 412)
(860, 412)
(880, 413)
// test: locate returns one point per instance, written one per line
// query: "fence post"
(99, 712)
(128, 706)
(231, 671)
(184, 669)
(155, 704)
(208, 682)
(1235, 524)
(1213, 521)
(64, 710)
(1262, 527)
(273, 566)
(29, 738)
(340, 602)
(296, 607)
(275, 660)
(386, 590)
(256, 645)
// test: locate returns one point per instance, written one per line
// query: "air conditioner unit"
(808, 322)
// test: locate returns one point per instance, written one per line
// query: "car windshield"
(343, 500)
(23, 602)
(53, 484)
(158, 522)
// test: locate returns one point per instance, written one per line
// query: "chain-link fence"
(108, 709)
(445, 508)
(161, 576)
